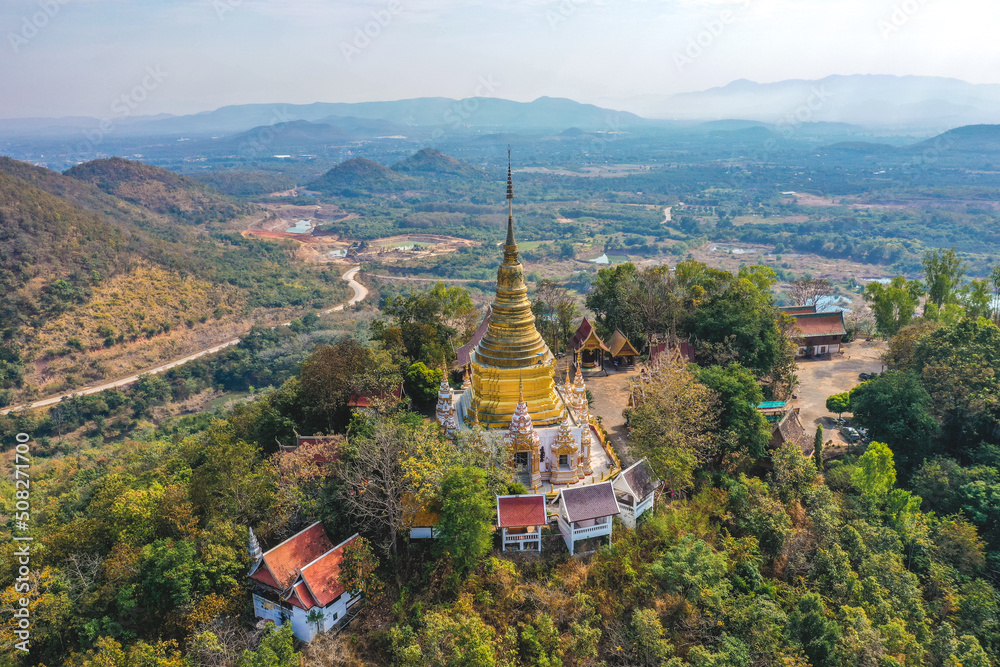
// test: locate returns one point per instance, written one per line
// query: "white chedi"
(444, 402)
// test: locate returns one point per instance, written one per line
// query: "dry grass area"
(140, 304)
(162, 317)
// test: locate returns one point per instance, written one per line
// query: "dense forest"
(753, 555)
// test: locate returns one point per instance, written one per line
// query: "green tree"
(893, 304)
(818, 448)
(839, 403)
(875, 474)
(358, 568)
(276, 649)
(895, 409)
(810, 625)
(422, 383)
(465, 531)
(741, 428)
(943, 272)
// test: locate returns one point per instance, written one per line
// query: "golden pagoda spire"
(511, 351)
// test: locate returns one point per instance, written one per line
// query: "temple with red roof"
(818, 333)
(299, 581)
(520, 519)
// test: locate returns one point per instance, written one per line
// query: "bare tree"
(808, 291)
(654, 296)
(389, 463)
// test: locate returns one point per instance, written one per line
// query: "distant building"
(298, 581)
(817, 333)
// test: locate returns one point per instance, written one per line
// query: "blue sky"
(77, 57)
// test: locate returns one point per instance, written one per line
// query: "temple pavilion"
(511, 385)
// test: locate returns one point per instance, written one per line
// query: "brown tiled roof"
(465, 350)
(586, 337)
(821, 324)
(517, 511)
(790, 429)
(798, 310)
(589, 502)
(620, 345)
(281, 563)
(365, 400)
(639, 477)
(322, 576)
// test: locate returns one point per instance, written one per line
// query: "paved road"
(360, 293)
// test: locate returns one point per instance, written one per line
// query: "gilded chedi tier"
(512, 351)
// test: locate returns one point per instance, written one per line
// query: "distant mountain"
(360, 175)
(969, 139)
(158, 190)
(870, 100)
(362, 118)
(432, 162)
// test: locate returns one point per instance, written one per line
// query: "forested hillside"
(159, 190)
(87, 277)
(753, 556)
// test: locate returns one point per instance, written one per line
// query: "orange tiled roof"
(517, 511)
(821, 324)
(281, 564)
(322, 576)
(586, 337)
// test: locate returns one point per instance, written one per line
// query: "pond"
(301, 227)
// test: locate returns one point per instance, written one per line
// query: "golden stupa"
(512, 352)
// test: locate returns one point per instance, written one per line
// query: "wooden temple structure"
(588, 346)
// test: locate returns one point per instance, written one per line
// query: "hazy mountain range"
(908, 102)
(889, 102)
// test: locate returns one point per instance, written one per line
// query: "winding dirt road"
(360, 293)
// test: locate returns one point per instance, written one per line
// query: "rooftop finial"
(510, 181)
(510, 204)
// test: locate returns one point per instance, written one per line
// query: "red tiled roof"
(821, 324)
(585, 334)
(465, 350)
(517, 511)
(365, 401)
(589, 502)
(264, 577)
(322, 576)
(295, 553)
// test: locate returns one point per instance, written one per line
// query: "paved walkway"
(823, 377)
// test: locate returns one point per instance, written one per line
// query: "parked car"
(850, 434)
(864, 376)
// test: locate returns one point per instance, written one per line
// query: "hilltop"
(359, 174)
(87, 294)
(432, 162)
(158, 190)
